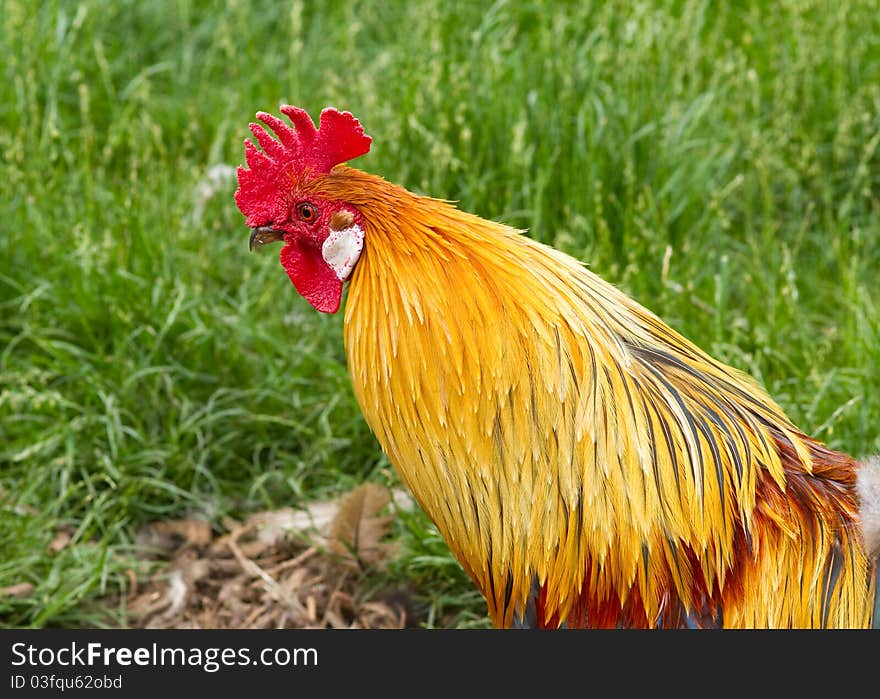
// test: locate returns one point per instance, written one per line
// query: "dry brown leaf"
(357, 530)
(132, 583)
(193, 569)
(60, 542)
(17, 590)
(171, 535)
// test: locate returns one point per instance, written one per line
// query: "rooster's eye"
(306, 211)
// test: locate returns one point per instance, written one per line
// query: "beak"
(262, 235)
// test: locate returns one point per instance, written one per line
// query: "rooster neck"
(561, 436)
(434, 355)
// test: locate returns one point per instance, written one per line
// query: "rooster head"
(323, 238)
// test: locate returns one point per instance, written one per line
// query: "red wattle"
(312, 277)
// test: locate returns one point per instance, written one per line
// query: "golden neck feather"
(557, 432)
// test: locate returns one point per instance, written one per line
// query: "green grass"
(721, 165)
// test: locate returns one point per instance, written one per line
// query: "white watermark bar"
(98, 655)
(124, 660)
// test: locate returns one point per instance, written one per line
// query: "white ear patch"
(342, 249)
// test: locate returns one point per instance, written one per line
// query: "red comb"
(303, 152)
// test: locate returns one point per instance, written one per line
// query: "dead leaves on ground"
(281, 569)
(358, 528)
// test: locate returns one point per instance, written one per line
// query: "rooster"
(586, 464)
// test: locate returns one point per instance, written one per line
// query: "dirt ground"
(309, 568)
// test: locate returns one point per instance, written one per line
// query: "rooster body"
(586, 464)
